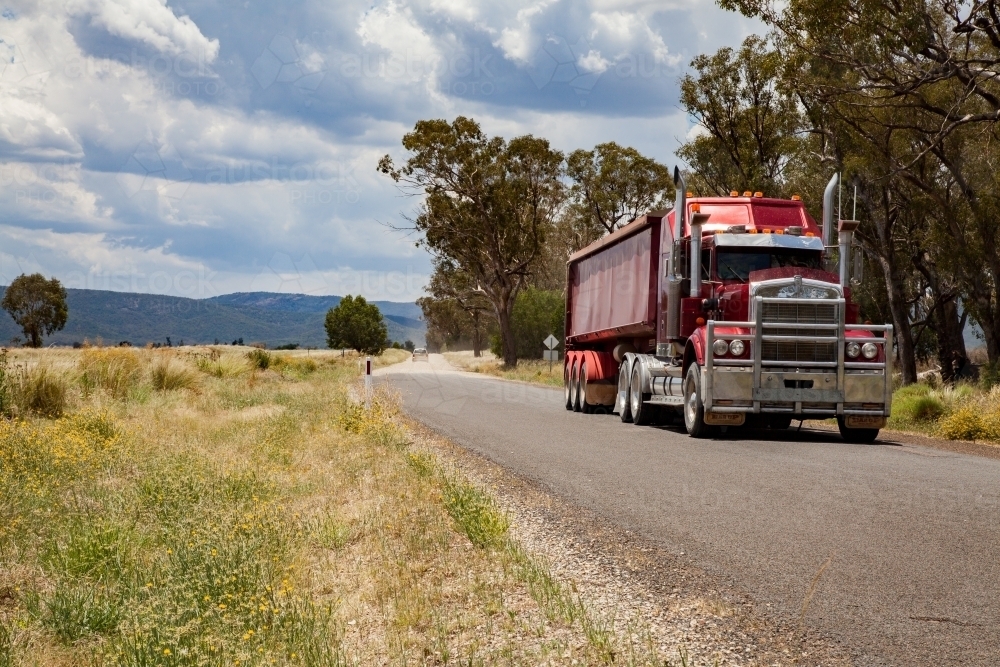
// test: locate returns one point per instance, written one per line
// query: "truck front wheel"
(856, 434)
(694, 409)
(642, 414)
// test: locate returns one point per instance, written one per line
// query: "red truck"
(723, 311)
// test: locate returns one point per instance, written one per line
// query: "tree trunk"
(949, 326)
(504, 315)
(36, 339)
(477, 336)
(900, 320)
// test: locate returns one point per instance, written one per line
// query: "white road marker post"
(368, 382)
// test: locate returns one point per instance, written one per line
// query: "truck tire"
(779, 423)
(575, 388)
(585, 407)
(859, 435)
(694, 409)
(568, 385)
(642, 414)
(624, 381)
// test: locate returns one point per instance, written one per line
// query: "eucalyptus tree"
(487, 205)
(613, 185)
(751, 125)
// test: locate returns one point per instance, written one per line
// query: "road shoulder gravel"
(641, 587)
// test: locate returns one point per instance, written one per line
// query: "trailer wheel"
(568, 384)
(859, 435)
(585, 407)
(574, 388)
(642, 414)
(694, 409)
(624, 382)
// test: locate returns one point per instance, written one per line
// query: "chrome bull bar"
(869, 383)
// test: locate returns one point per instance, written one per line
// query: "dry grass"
(527, 370)
(264, 519)
(169, 374)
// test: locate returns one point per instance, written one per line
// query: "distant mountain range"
(264, 317)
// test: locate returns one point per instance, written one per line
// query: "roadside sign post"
(368, 382)
(550, 354)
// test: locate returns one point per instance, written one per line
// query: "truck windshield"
(737, 264)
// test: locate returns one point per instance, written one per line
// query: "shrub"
(224, 366)
(476, 514)
(989, 375)
(115, 370)
(963, 424)
(537, 313)
(259, 358)
(917, 408)
(168, 375)
(41, 391)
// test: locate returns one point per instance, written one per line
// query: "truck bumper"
(798, 393)
(859, 391)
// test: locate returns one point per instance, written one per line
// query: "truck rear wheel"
(694, 408)
(574, 388)
(624, 381)
(585, 407)
(642, 414)
(856, 434)
(567, 385)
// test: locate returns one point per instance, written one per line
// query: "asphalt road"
(911, 533)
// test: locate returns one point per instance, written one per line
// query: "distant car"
(420, 354)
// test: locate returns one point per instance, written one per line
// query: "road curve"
(912, 534)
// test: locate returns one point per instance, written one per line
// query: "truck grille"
(800, 313)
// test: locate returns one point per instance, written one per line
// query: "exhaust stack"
(680, 210)
(845, 229)
(831, 189)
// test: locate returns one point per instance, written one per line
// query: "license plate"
(725, 418)
(865, 421)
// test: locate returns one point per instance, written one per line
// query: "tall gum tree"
(487, 205)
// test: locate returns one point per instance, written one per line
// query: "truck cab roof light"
(796, 197)
(810, 234)
(734, 193)
(696, 208)
(747, 193)
(758, 194)
(752, 230)
(690, 194)
(779, 231)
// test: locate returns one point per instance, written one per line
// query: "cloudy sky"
(198, 147)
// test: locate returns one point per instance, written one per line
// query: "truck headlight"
(853, 350)
(737, 347)
(720, 347)
(869, 350)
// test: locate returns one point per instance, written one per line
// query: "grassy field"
(527, 370)
(224, 506)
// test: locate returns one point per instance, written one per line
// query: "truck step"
(665, 400)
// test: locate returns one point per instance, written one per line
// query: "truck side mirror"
(858, 268)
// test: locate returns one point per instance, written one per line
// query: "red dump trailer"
(724, 311)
